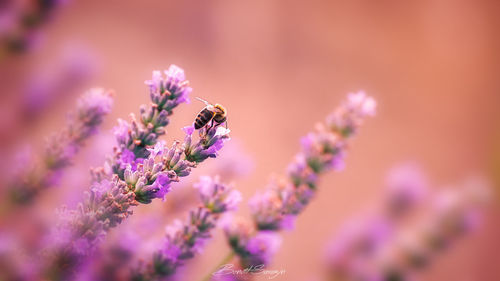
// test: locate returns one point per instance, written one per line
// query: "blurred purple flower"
(217, 197)
(322, 150)
(359, 238)
(350, 115)
(277, 207)
(62, 147)
(185, 239)
(56, 80)
(366, 251)
(262, 247)
(25, 23)
(406, 186)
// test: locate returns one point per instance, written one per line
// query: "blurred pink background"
(281, 66)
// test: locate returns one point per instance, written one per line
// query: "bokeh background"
(279, 67)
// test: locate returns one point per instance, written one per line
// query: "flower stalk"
(185, 239)
(62, 147)
(140, 170)
(277, 207)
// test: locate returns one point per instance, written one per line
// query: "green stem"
(226, 260)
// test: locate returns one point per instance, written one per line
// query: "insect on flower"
(215, 113)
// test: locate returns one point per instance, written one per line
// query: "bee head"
(220, 110)
(220, 114)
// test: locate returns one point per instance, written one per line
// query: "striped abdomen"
(203, 118)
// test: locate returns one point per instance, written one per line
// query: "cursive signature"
(228, 269)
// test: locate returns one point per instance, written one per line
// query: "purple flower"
(166, 93)
(406, 186)
(254, 249)
(127, 157)
(276, 208)
(366, 106)
(322, 150)
(262, 247)
(350, 115)
(359, 237)
(62, 147)
(143, 169)
(158, 149)
(91, 109)
(210, 142)
(92, 106)
(151, 177)
(371, 250)
(266, 208)
(162, 184)
(188, 130)
(185, 239)
(170, 90)
(122, 132)
(21, 31)
(455, 212)
(217, 197)
(453, 215)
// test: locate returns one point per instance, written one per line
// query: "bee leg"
(211, 125)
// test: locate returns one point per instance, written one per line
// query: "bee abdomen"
(203, 118)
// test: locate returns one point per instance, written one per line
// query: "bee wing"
(204, 101)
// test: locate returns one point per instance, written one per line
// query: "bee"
(215, 113)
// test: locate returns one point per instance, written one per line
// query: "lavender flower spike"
(362, 238)
(456, 212)
(140, 170)
(134, 138)
(62, 146)
(253, 248)
(109, 201)
(323, 150)
(185, 239)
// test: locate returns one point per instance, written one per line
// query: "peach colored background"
(281, 66)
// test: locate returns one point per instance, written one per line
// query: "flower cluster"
(211, 141)
(145, 174)
(396, 254)
(253, 248)
(58, 78)
(362, 237)
(166, 93)
(406, 187)
(91, 109)
(62, 147)
(152, 178)
(453, 214)
(185, 239)
(277, 207)
(19, 29)
(120, 252)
